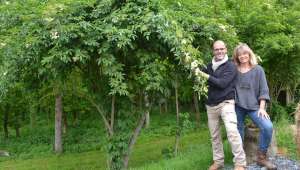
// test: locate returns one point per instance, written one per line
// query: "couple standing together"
(236, 89)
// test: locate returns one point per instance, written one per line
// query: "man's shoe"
(263, 161)
(237, 167)
(216, 166)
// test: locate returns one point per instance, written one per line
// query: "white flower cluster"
(194, 64)
(60, 7)
(187, 58)
(114, 20)
(54, 35)
(2, 45)
(48, 19)
(222, 27)
(167, 24)
(197, 72)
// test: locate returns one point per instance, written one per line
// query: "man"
(221, 74)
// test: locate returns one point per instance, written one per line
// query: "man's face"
(219, 51)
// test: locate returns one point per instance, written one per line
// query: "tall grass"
(285, 137)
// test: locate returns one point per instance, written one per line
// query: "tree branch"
(106, 123)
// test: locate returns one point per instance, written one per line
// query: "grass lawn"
(87, 160)
(195, 151)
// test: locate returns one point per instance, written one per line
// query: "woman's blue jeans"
(265, 126)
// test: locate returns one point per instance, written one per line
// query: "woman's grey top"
(251, 87)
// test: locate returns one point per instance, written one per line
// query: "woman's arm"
(262, 104)
(263, 86)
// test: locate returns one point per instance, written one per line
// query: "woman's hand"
(263, 113)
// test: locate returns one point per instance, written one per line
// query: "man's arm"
(204, 69)
(225, 79)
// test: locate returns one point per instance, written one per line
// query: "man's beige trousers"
(226, 111)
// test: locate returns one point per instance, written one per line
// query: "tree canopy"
(123, 56)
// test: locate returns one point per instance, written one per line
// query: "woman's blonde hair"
(243, 48)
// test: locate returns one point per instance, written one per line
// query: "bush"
(277, 111)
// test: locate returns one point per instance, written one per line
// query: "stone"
(282, 163)
(251, 139)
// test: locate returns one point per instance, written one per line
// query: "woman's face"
(244, 58)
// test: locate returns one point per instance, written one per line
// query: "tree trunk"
(49, 112)
(136, 133)
(162, 105)
(140, 100)
(75, 118)
(58, 123)
(32, 119)
(147, 121)
(23, 116)
(32, 111)
(5, 121)
(65, 125)
(17, 125)
(275, 90)
(289, 96)
(166, 106)
(160, 108)
(17, 128)
(112, 115)
(177, 121)
(297, 121)
(147, 113)
(196, 105)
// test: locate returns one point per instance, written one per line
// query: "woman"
(252, 93)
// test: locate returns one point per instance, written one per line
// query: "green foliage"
(167, 152)
(125, 49)
(117, 145)
(38, 142)
(284, 132)
(272, 31)
(181, 128)
(278, 112)
(185, 124)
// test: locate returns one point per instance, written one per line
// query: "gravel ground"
(282, 163)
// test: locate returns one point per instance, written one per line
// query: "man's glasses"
(219, 49)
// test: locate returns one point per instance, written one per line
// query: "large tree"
(118, 47)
